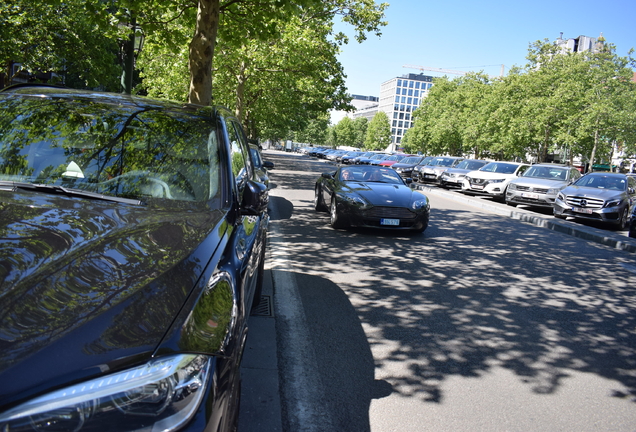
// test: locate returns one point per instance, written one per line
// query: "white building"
(364, 105)
(399, 97)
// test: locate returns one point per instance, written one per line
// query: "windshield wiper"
(11, 185)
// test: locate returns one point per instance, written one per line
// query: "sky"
(475, 35)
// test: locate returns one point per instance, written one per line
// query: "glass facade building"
(399, 97)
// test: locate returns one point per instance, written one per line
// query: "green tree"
(378, 136)
(345, 133)
(360, 125)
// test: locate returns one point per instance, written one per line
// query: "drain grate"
(264, 308)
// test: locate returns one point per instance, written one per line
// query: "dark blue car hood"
(87, 285)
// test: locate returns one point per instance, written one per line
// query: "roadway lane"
(481, 323)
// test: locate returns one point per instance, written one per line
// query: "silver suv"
(540, 184)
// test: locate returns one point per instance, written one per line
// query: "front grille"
(477, 181)
(389, 213)
(577, 201)
(529, 189)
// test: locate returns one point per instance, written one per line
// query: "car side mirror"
(268, 164)
(328, 175)
(255, 199)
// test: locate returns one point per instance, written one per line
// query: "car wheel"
(336, 219)
(622, 222)
(319, 204)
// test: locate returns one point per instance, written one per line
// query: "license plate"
(582, 210)
(476, 186)
(530, 195)
(394, 222)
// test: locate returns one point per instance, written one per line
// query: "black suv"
(132, 244)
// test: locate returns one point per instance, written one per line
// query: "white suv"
(492, 179)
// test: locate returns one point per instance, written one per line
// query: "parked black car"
(132, 242)
(371, 196)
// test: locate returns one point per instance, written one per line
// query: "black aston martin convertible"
(371, 196)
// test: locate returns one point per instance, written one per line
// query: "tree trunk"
(202, 52)
(593, 155)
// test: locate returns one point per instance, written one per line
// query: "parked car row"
(609, 198)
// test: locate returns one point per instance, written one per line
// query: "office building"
(399, 97)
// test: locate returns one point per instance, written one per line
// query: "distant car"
(454, 177)
(599, 196)
(333, 156)
(375, 157)
(388, 162)
(356, 159)
(540, 184)
(349, 156)
(433, 171)
(371, 196)
(492, 179)
(405, 167)
(260, 166)
(415, 173)
(133, 243)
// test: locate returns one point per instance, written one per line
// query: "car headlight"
(467, 178)
(553, 191)
(357, 201)
(614, 203)
(160, 395)
(560, 197)
(496, 181)
(419, 204)
(512, 186)
(399, 170)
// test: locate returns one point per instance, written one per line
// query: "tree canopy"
(572, 104)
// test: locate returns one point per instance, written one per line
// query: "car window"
(113, 150)
(241, 163)
(603, 182)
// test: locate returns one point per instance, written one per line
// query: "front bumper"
(535, 199)
(609, 215)
(395, 218)
(484, 188)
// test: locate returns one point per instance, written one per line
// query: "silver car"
(432, 172)
(540, 184)
(453, 177)
(600, 196)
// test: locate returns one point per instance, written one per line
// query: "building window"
(417, 93)
(416, 101)
(395, 115)
(409, 101)
(408, 117)
(395, 123)
(393, 131)
(400, 124)
(397, 90)
(411, 84)
(399, 132)
(397, 99)
(417, 85)
(401, 107)
(398, 140)
(401, 116)
(404, 90)
(399, 83)
(410, 92)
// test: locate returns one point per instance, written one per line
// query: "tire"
(622, 222)
(336, 219)
(319, 204)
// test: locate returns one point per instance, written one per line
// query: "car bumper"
(531, 199)
(610, 215)
(451, 182)
(490, 189)
(394, 218)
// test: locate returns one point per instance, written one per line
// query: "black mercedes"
(371, 196)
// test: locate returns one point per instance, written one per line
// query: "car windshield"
(411, 160)
(379, 156)
(500, 167)
(127, 151)
(427, 160)
(364, 173)
(470, 164)
(445, 162)
(602, 182)
(550, 173)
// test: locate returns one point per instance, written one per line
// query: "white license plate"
(530, 195)
(476, 186)
(394, 222)
(582, 210)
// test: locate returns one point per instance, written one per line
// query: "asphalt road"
(482, 323)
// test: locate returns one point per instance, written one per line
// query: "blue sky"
(470, 35)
